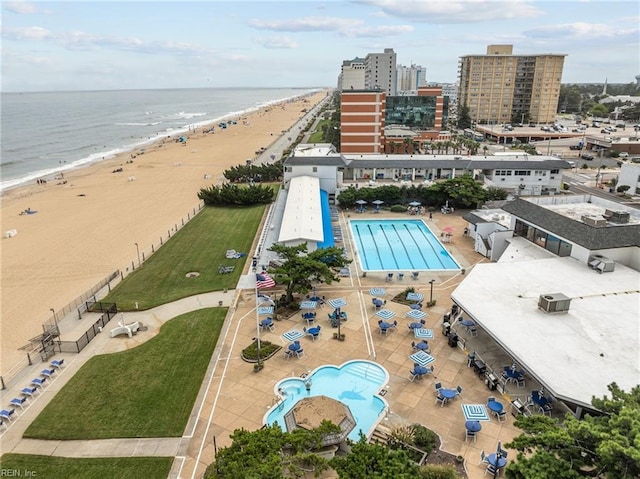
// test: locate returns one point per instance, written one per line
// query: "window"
(315, 169)
(522, 173)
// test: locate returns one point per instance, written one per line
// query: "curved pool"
(355, 383)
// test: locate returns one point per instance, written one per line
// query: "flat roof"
(302, 218)
(575, 354)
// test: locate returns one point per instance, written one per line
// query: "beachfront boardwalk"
(232, 396)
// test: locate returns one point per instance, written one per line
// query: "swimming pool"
(354, 383)
(399, 245)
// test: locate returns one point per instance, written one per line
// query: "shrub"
(398, 209)
(424, 438)
(432, 471)
(250, 353)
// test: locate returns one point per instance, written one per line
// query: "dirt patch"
(437, 456)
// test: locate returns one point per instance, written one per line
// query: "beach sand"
(87, 224)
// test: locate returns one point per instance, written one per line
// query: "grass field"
(318, 134)
(147, 391)
(200, 246)
(51, 467)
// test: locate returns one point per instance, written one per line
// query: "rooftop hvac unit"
(619, 217)
(554, 303)
(598, 221)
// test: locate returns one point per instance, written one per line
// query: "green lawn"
(148, 391)
(318, 134)
(51, 467)
(200, 246)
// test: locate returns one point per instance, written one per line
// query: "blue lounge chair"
(29, 392)
(39, 382)
(18, 402)
(57, 364)
(47, 372)
(7, 413)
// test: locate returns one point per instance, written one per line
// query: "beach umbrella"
(361, 202)
(415, 203)
(475, 412)
(337, 303)
(308, 305)
(265, 299)
(385, 314)
(377, 292)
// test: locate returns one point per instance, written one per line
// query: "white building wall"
(380, 71)
(353, 77)
(630, 175)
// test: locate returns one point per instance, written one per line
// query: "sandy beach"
(88, 223)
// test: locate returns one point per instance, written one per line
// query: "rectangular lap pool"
(399, 245)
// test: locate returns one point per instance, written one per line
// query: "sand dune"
(87, 224)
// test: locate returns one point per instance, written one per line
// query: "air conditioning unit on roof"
(592, 220)
(554, 303)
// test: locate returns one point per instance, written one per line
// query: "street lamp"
(431, 291)
(138, 251)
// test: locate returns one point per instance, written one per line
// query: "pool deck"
(233, 396)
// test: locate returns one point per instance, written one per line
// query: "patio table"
(473, 426)
(422, 346)
(495, 406)
(448, 393)
(497, 460)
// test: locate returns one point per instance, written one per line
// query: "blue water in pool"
(354, 383)
(399, 245)
(327, 229)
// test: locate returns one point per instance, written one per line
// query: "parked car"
(586, 156)
(635, 159)
(623, 154)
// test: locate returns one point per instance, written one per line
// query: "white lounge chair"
(128, 329)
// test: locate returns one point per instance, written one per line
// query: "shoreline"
(88, 223)
(95, 158)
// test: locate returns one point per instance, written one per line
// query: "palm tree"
(392, 144)
(485, 148)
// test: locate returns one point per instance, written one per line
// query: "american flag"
(263, 280)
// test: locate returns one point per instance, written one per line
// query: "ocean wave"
(139, 124)
(185, 116)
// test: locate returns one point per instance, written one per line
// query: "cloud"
(307, 24)
(24, 8)
(381, 31)
(581, 31)
(466, 11)
(277, 42)
(27, 33)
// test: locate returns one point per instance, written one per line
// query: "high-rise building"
(410, 78)
(362, 117)
(352, 74)
(380, 71)
(499, 86)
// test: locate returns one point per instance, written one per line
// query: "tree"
(300, 269)
(463, 191)
(270, 453)
(598, 109)
(608, 443)
(464, 119)
(496, 193)
(374, 461)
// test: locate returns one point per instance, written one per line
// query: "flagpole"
(259, 363)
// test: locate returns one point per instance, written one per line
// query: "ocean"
(47, 133)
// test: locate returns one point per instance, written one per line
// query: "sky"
(106, 45)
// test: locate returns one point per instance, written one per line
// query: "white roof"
(302, 219)
(575, 354)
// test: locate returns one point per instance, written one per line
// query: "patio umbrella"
(377, 203)
(385, 314)
(415, 203)
(377, 292)
(475, 412)
(337, 303)
(361, 202)
(308, 305)
(448, 229)
(412, 296)
(265, 310)
(265, 299)
(416, 314)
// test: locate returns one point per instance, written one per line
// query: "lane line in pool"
(415, 242)
(435, 253)
(403, 245)
(395, 260)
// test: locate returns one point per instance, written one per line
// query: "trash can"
(453, 340)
